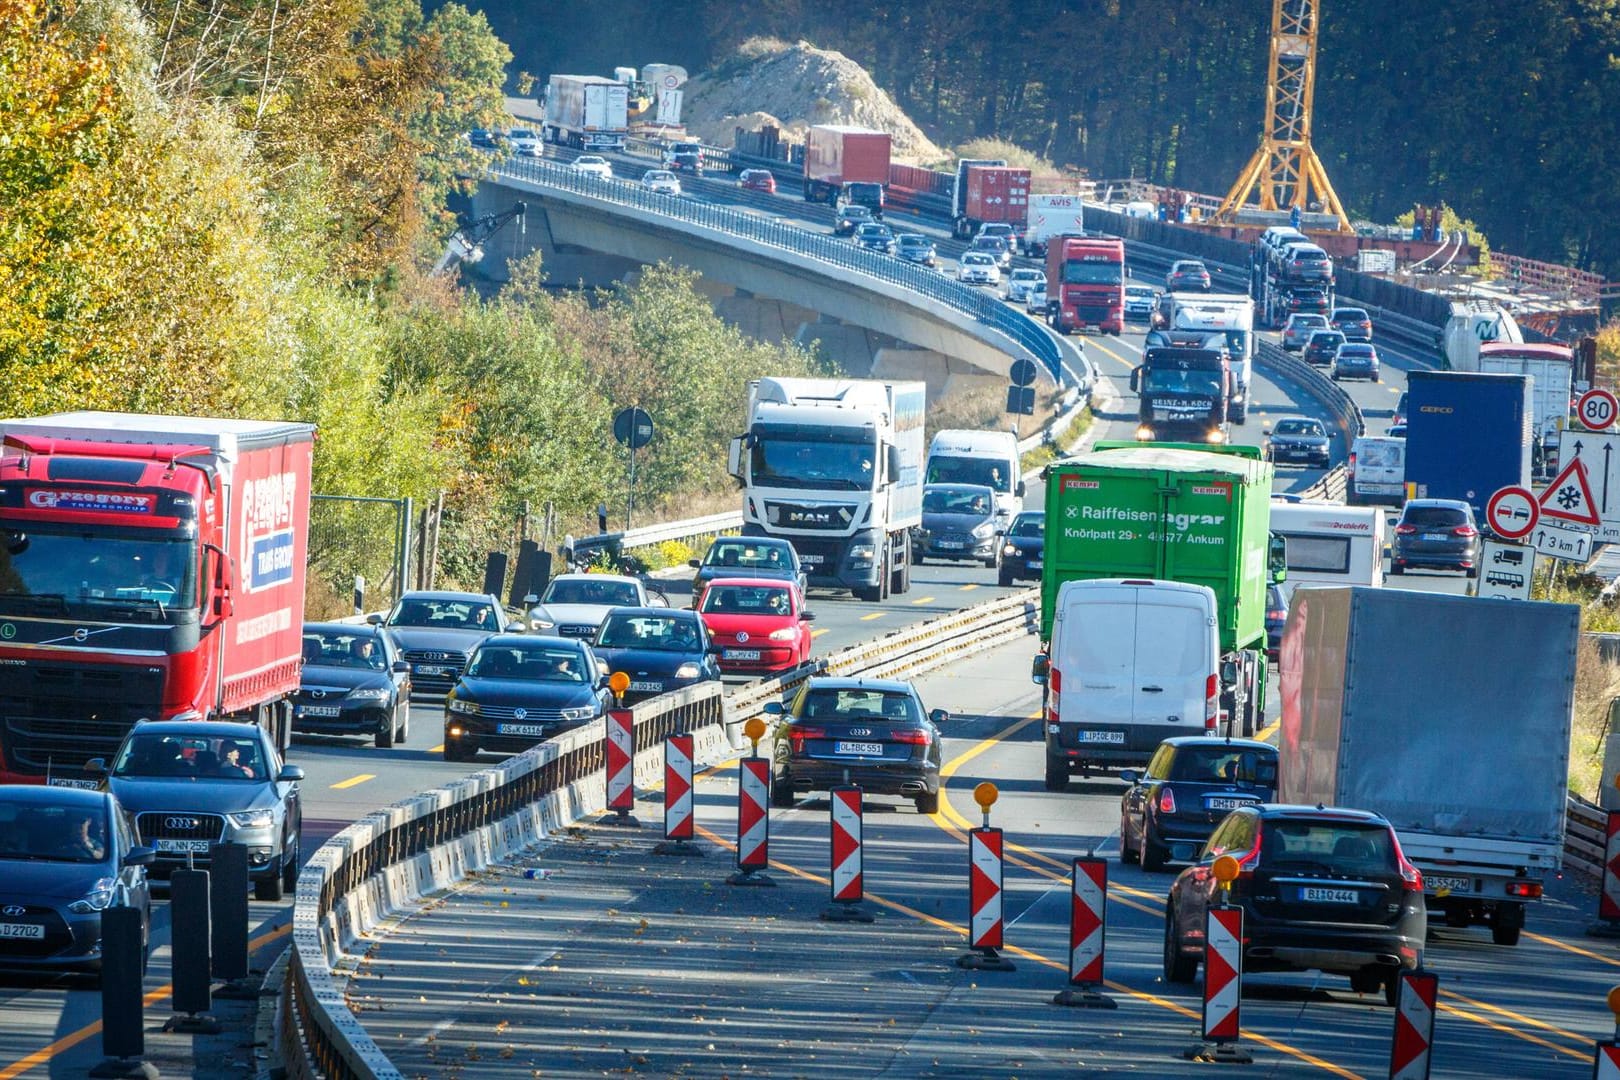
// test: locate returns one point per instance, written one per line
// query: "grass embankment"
(1047, 453)
(1597, 683)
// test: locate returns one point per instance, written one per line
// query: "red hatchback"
(759, 625)
(757, 180)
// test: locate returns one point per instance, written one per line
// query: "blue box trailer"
(1467, 435)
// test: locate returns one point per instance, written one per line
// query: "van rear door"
(1092, 649)
(1175, 656)
(1380, 468)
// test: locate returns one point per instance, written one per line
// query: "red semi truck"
(151, 567)
(836, 156)
(1085, 283)
(989, 194)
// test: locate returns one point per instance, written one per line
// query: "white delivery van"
(1131, 663)
(1377, 470)
(1331, 544)
(990, 458)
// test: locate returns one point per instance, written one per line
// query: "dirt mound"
(793, 87)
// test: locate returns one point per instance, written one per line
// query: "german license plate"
(1437, 882)
(431, 669)
(319, 710)
(647, 687)
(1035, 564)
(1102, 736)
(22, 930)
(742, 654)
(520, 729)
(1314, 895)
(1220, 802)
(63, 781)
(183, 846)
(949, 545)
(1434, 536)
(861, 749)
(811, 560)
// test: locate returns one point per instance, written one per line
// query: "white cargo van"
(1377, 470)
(1131, 664)
(990, 458)
(1331, 544)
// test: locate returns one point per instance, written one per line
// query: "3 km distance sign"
(1597, 409)
(1512, 513)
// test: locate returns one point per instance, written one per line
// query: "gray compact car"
(437, 631)
(1438, 534)
(192, 783)
(353, 683)
(958, 522)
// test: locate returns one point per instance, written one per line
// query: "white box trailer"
(586, 112)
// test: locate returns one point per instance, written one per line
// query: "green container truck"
(1190, 513)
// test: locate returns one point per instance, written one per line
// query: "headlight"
(1217, 436)
(861, 552)
(378, 694)
(1144, 433)
(787, 633)
(537, 622)
(466, 708)
(97, 899)
(984, 529)
(253, 819)
(1008, 549)
(583, 712)
(688, 671)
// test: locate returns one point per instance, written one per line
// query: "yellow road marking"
(968, 588)
(354, 781)
(1268, 731)
(1585, 1041)
(436, 749)
(74, 1038)
(924, 600)
(1504, 1029)
(1102, 346)
(818, 633)
(873, 615)
(1576, 949)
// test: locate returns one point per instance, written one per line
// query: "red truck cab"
(151, 568)
(1085, 283)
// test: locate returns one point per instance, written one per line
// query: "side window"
(1242, 836)
(1159, 767)
(1220, 841)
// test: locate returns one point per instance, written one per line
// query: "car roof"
(684, 614)
(511, 640)
(444, 594)
(1307, 419)
(357, 629)
(597, 577)
(229, 729)
(1030, 514)
(888, 686)
(1297, 812)
(1448, 504)
(976, 489)
(762, 582)
(1217, 740)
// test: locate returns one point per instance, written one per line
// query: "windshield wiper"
(52, 602)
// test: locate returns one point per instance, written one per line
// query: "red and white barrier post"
(1223, 976)
(621, 757)
(985, 923)
(679, 824)
(1606, 1061)
(1088, 933)
(753, 812)
(1608, 920)
(848, 880)
(1414, 1025)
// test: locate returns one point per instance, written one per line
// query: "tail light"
(1405, 530)
(1411, 876)
(1167, 801)
(1525, 890)
(1276, 613)
(1212, 701)
(913, 736)
(1465, 530)
(1054, 684)
(797, 735)
(1350, 467)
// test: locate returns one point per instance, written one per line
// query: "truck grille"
(179, 825)
(785, 515)
(451, 662)
(57, 716)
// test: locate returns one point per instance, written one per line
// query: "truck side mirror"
(893, 462)
(1277, 559)
(734, 458)
(224, 571)
(1136, 379)
(1229, 672)
(1019, 491)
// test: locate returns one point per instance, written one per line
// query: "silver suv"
(190, 784)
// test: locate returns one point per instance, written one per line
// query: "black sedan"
(749, 557)
(1021, 548)
(437, 631)
(875, 236)
(1300, 439)
(353, 683)
(66, 855)
(873, 733)
(1191, 783)
(958, 522)
(520, 690)
(851, 217)
(1321, 888)
(660, 649)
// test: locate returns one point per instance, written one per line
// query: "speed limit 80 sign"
(1597, 410)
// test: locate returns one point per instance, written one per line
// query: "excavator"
(466, 244)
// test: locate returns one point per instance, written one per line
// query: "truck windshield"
(94, 569)
(1176, 381)
(992, 473)
(839, 458)
(1091, 273)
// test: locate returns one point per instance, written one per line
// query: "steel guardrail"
(1014, 325)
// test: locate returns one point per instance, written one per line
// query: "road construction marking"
(818, 633)
(1583, 1040)
(968, 588)
(1576, 949)
(1268, 731)
(74, 1038)
(436, 749)
(873, 615)
(924, 600)
(353, 781)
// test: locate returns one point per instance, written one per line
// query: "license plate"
(431, 669)
(1449, 884)
(811, 560)
(319, 710)
(863, 749)
(742, 654)
(949, 545)
(647, 687)
(22, 930)
(1378, 489)
(520, 729)
(182, 846)
(1313, 895)
(62, 781)
(1102, 736)
(1225, 803)
(1035, 564)
(1434, 536)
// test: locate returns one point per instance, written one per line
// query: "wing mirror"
(1229, 672)
(1130, 776)
(290, 774)
(939, 717)
(807, 616)
(1136, 379)
(696, 564)
(1039, 669)
(140, 856)
(1019, 491)
(374, 619)
(401, 667)
(95, 767)
(774, 708)
(1277, 559)
(894, 463)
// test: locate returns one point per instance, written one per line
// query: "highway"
(47, 1025)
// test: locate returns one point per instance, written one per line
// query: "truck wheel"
(1503, 934)
(1057, 774)
(868, 594)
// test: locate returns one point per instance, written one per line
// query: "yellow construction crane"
(1285, 168)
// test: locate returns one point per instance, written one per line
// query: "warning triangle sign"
(1569, 497)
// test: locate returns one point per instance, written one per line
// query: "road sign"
(1597, 409)
(1571, 545)
(1021, 400)
(1504, 570)
(1512, 512)
(1023, 373)
(1600, 454)
(1569, 497)
(633, 428)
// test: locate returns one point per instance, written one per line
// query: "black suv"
(1321, 888)
(1323, 347)
(1190, 785)
(1438, 533)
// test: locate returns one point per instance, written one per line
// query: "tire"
(454, 751)
(868, 594)
(1396, 569)
(1392, 988)
(384, 739)
(1472, 571)
(928, 803)
(1057, 774)
(1153, 855)
(781, 792)
(1127, 854)
(1177, 968)
(1505, 935)
(1004, 578)
(268, 888)
(993, 562)
(289, 865)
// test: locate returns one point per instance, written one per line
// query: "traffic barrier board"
(1414, 1026)
(1609, 898)
(1597, 409)
(984, 888)
(753, 819)
(1606, 1065)
(1223, 974)
(1088, 921)
(1512, 512)
(678, 821)
(621, 752)
(847, 884)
